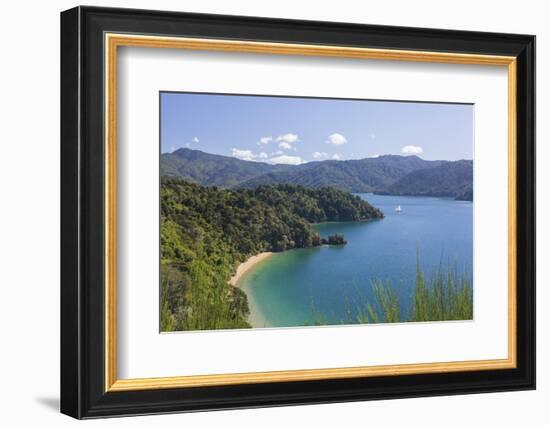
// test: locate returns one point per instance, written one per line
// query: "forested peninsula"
(207, 231)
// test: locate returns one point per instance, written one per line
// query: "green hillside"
(365, 175)
(451, 179)
(206, 232)
(212, 170)
(387, 174)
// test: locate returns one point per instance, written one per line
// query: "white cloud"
(320, 155)
(336, 156)
(288, 138)
(245, 155)
(337, 139)
(287, 159)
(196, 139)
(187, 145)
(411, 150)
(277, 153)
(265, 140)
(285, 145)
(262, 155)
(374, 156)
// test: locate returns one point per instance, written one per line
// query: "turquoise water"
(294, 287)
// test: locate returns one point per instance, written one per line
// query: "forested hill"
(384, 174)
(363, 175)
(212, 170)
(451, 179)
(206, 232)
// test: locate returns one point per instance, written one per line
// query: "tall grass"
(387, 300)
(445, 296)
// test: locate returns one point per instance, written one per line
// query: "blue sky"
(297, 130)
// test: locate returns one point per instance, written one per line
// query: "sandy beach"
(246, 266)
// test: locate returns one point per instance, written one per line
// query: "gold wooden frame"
(113, 41)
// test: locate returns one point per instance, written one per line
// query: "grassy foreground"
(445, 296)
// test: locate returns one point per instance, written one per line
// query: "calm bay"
(332, 284)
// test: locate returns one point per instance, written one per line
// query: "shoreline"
(245, 267)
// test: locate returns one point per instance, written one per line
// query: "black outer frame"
(82, 207)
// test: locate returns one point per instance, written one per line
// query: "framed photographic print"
(261, 212)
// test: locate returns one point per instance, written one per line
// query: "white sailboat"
(398, 209)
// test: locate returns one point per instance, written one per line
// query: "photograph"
(285, 210)
(280, 212)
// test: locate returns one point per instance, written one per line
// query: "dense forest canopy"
(206, 232)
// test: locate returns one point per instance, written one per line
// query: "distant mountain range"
(386, 174)
(448, 179)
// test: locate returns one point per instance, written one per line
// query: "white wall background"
(29, 213)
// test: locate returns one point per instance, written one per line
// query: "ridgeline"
(386, 174)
